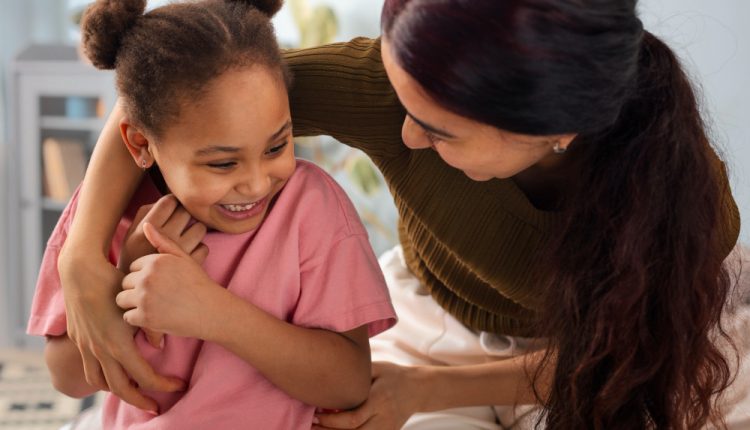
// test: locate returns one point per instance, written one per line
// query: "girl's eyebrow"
(281, 131)
(214, 149)
(233, 149)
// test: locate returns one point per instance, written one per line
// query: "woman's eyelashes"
(432, 138)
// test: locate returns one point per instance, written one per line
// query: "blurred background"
(52, 107)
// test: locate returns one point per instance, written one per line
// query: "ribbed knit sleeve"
(342, 90)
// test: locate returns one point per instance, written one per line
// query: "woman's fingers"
(121, 386)
(93, 371)
(154, 337)
(354, 419)
(144, 375)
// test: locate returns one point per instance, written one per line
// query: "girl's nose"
(254, 185)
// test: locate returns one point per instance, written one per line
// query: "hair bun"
(268, 7)
(103, 26)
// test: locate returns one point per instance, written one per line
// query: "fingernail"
(316, 420)
(154, 413)
(161, 343)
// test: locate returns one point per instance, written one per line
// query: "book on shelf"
(64, 167)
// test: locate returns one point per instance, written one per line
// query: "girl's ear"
(137, 143)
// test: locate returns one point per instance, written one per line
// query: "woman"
(570, 194)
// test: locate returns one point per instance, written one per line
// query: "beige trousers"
(427, 335)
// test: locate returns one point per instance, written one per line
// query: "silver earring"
(144, 164)
(558, 149)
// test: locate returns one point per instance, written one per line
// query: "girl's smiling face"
(230, 152)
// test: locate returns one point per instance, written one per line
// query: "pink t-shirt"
(309, 263)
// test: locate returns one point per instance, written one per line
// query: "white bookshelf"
(52, 94)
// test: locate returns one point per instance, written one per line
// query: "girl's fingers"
(162, 210)
(126, 299)
(134, 317)
(137, 266)
(161, 242)
(141, 214)
(176, 223)
(192, 237)
(199, 254)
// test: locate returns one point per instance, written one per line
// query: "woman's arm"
(170, 293)
(90, 282)
(398, 392)
(342, 90)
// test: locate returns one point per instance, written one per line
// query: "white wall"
(21, 23)
(713, 40)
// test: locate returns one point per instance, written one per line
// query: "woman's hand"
(167, 292)
(95, 325)
(394, 396)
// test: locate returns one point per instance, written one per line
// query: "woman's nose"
(413, 135)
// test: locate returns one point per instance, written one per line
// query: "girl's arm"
(398, 392)
(170, 293)
(66, 367)
(319, 367)
(90, 282)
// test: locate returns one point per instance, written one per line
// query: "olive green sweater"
(471, 243)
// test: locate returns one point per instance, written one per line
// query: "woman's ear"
(565, 140)
(137, 143)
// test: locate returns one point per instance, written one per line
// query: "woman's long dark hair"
(634, 278)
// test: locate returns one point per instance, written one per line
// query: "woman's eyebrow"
(431, 129)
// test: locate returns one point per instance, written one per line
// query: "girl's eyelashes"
(277, 149)
(223, 166)
(272, 152)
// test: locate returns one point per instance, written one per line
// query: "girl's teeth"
(239, 208)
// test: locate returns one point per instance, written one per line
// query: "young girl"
(277, 319)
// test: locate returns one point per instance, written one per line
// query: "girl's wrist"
(221, 309)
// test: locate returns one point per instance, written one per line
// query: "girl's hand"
(94, 323)
(167, 292)
(171, 219)
(394, 397)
